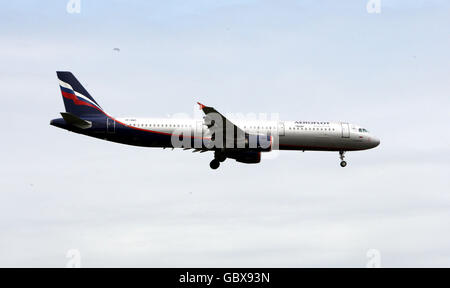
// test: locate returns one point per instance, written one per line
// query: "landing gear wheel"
(342, 156)
(214, 164)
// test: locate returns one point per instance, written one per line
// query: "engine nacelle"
(248, 157)
(259, 142)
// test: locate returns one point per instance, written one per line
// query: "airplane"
(241, 140)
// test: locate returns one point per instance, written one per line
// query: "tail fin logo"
(78, 98)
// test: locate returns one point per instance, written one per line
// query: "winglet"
(201, 105)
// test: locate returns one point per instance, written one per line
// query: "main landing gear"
(342, 156)
(214, 164)
(218, 157)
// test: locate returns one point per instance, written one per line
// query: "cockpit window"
(363, 130)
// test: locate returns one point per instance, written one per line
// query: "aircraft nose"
(374, 141)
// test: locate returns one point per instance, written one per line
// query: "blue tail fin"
(76, 99)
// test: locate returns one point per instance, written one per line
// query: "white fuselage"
(293, 135)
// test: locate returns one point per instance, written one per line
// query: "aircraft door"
(345, 130)
(110, 126)
(280, 128)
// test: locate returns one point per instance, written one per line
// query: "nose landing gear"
(342, 156)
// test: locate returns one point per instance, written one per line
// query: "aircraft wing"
(212, 114)
(218, 123)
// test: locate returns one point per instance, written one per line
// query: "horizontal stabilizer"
(76, 121)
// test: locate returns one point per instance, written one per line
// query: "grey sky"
(128, 206)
